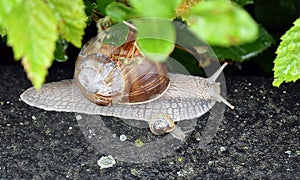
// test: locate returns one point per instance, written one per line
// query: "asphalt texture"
(260, 138)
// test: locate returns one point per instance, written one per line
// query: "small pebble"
(78, 117)
(106, 161)
(288, 152)
(123, 137)
(222, 149)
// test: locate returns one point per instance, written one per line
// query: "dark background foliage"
(276, 16)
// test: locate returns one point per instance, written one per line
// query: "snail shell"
(161, 124)
(121, 76)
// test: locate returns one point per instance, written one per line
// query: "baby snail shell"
(119, 75)
(161, 124)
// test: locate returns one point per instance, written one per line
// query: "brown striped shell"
(122, 74)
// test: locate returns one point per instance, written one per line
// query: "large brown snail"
(121, 82)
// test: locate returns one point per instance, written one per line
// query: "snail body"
(187, 97)
(105, 84)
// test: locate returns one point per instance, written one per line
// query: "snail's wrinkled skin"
(187, 97)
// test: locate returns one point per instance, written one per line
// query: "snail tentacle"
(215, 76)
(216, 95)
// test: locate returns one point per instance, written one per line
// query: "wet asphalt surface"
(260, 138)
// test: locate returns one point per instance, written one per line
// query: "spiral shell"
(161, 124)
(119, 75)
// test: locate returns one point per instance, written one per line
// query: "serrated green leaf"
(243, 2)
(155, 8)
(155, 38)
(246, 51)
(287, 61)
(117, 11)
(6, 7)
(32, 32)
(71, 18)
(222, 23)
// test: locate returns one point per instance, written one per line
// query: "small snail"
(161, 123)
(121, 82)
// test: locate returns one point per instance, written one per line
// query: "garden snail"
(121, 82)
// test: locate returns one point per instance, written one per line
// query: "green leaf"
(6, 7)
(60, 50)
(243, 2)
(117, 11)
(32, 32)
(287, 62)
(155, 38)
(117, 34)
(71, 18)
(222, 23)
(246, 51)
(2, 31)
(102, 5)
(90, 7)
(155, 8)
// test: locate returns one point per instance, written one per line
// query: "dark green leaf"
(246, 51)
(90, 7)
(102, 5)
(243, 2)
(60, 51)
(222, 23)
(117, 11)
(287, 62)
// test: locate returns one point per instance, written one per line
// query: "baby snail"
(119, 81)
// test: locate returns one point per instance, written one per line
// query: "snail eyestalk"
(214, 94)
(214, 77)
(219, 98)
